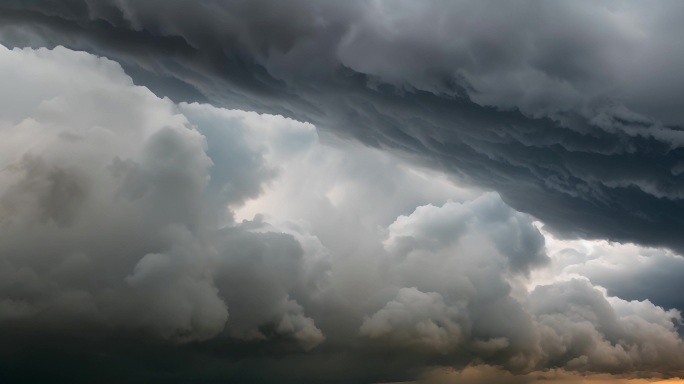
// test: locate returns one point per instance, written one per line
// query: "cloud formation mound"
(237, 245)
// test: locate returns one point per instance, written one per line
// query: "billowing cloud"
(415, 319)
(111, 205)
(569, 110)
(169, 242)
(625, 270)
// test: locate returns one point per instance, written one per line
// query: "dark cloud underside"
(539, 102)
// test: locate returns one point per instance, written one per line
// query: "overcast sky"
(363, 191)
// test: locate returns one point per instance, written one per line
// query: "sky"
(362, 191)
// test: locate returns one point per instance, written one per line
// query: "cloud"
(471, 276)
(568, 110)
(415, 319)
(625, 270)
(603, 337)
(154, 241)
(111, 202)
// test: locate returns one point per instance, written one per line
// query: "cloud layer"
(569, 110)
(169, 242)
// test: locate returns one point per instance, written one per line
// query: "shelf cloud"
(320, 191)
(569, 110)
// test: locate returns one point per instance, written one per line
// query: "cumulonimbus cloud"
(571, 110)
(122, 239)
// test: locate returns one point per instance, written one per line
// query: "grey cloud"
(416, 320)
(359, 270)
(272, 268)
(433, 228)
(598, 338)
(55, 193)
(625, 270)
(652, 278)
(568, 110)
(112, 221)
(461, 284)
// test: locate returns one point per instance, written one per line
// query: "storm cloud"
(569, 110)
(323, 191)
(167, 242)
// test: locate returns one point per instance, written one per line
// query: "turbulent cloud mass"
(341, 192)
(570, 110)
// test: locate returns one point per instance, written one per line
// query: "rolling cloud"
(119, 218)
(568, 110)
(444, 187)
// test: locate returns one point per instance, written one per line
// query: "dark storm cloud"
(122, 254)
(120, 249)
(652, 278)
(570, 110)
